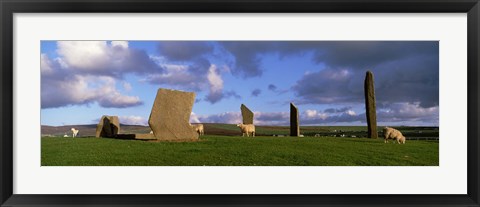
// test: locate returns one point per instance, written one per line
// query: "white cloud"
(215, 80)
(86, 55)
(194, 118)
(85, 89)
(107, 58)
(314, 114)
(122, 44)
(127, 86)
(351, 112)
(396, 114)
(45, 64)
(401, 112)
(225, 117)
(133, 120)
(86, 72)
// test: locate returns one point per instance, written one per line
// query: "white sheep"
(74, 132)
(198, 128)
(391, 133)
(247, 129)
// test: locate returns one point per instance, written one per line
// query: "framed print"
(162, 103)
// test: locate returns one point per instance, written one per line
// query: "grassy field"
(233, 130)
(214, 150)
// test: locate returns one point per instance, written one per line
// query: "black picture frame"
(10, 7)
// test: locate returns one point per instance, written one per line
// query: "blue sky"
(83, 80)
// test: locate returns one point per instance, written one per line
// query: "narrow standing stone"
(370, 105)
(294, 121)
(247, 115)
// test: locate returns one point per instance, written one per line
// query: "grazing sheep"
(65, 135)
(247, 129)
(74, 132)
(151, 132)
(198, 128)
(391, 133)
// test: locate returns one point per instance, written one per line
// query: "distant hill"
(89, 130)
(233, 130)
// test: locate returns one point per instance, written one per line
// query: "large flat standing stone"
(247, 115)
(294, 121)
(169, 119)
(108, 126)
(370, 106)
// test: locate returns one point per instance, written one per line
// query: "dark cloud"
(214, 97)
(407, 69)
(118, 101)
(192, 77)
(356, 55)
(272, 87)
(332, 120)
(256, 92)
(408, 112)
(413, 79)
(396, 114)
(200, 66)
(337, 110)
(226, 117)
(329, 86)
(247, 56)
(139, 63)
(179, 81)
(184, 50)
(367, 54)
(272, 118)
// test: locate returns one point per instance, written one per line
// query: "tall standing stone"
(169, 119)
(370, 105)
(294, 121)
(108, 126)
(247, 115)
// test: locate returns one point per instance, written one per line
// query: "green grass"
(238, 151)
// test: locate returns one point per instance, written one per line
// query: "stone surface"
(294, 121)
(169, 119)
(145, 136)
(370, 106)
(247, 115)
(108, 126)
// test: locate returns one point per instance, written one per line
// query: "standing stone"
(247, 115)
(169, 119)
(294, 121)
(108, 126)
(370, 105)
